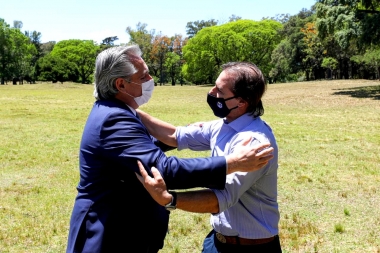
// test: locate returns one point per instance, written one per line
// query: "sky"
(58, 20)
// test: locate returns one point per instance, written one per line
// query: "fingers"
(264, 152)
(156, 173)
(263, 146)
(264, 158)
(144, 177)
(143, 172)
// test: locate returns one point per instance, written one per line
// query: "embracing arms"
(244, 159)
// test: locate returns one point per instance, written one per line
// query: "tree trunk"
(307, 75)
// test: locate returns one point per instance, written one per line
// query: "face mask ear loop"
(230, 98)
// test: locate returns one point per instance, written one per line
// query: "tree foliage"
(55, 69)
(340, 37)
(23, 54)
(5, 51)
(16, 53)
(242, 40)
(192, 28)
(330, 63)
(47, 47)
(142, 37)
(233, 18)
(371, 58)
(108, 42)
(349, 21)
(172, 64)
(158, 54)
(81, 53)
(288, 57)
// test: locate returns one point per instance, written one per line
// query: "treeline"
(334, 39)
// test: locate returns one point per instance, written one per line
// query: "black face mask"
(218, 105)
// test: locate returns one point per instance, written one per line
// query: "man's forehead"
(225, 80)
(139, 64)
(136, 59)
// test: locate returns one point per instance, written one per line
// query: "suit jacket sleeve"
(125, 139)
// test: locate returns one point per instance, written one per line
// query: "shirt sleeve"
(240, 182)
(196, 138)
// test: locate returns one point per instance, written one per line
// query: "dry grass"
(328, 135)
(329, 138)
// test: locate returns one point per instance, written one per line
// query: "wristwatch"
(173, 204)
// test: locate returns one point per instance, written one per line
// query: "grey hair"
(111, 64)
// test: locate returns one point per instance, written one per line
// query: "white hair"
(111, 64)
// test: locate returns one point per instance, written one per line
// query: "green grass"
(328, 134)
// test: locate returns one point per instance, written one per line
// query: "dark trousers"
(212, 245)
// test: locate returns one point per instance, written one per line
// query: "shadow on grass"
(361, 92)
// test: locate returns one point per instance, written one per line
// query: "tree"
(144, 38)
(242, 40)
(178, 42)
(281, 62)
(82, 53)
(35, 39)
(288, 57)
(172, 66)
(371, 58)
(282, 18)
(233, 18)
(159, 50)
(23, 52)
(54, 69)
(314, 50)
(349, 21)
(5, 51)
(108, 42)
(330, 63)
(17, 24)
(370, 19)
(47, 47)
(192, 28)
(16, 53)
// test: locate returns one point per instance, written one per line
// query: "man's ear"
(120, 84)
(242, 102)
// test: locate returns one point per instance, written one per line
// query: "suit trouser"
(213, 245)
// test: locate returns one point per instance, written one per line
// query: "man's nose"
(213, 91)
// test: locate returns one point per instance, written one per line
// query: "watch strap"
(173, 204)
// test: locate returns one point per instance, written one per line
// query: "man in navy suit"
(112, 211)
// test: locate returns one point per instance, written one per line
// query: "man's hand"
(156, 186)
(246, 158)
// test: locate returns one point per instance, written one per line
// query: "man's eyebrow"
(145, 72)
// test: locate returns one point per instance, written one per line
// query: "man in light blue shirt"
(245, 214)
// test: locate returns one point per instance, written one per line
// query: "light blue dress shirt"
(248, 205)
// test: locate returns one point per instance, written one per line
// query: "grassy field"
(328, 134)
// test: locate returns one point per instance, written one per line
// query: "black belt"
(242, 241)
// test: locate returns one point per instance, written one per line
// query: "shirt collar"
(241, 122)
(133, 110)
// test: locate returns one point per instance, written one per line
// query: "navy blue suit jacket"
(112, 211)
